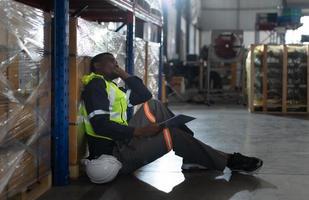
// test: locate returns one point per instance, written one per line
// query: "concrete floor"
(282, 142)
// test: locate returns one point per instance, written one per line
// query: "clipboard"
(176, 121)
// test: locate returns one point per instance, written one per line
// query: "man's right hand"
(146, 131)
(121, 73)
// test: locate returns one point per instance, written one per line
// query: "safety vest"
(118, 104)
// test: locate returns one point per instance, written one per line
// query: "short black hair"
(98, 58)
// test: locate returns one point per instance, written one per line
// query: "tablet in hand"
(176, 121)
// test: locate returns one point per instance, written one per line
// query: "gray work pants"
(141, 151)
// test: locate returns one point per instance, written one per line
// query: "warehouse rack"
(232, 68)
(271, 77)
(124, 11)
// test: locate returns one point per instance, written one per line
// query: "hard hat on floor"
(103, 169)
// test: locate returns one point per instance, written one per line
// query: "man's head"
(104, 64)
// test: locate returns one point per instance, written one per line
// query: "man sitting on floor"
(116, 146)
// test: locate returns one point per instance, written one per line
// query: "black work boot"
(240, 163)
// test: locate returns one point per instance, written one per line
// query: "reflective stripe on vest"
(118, 104)
(88, 127)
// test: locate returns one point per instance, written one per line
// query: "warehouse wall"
(206, 38)
(183, 39)
(301, 3)
(194, 13)
(198, 43)
(191, 39)
(234, 14)
(194, 40)
(171, 31)
(249, 38)
(183, 34)
(294, 36)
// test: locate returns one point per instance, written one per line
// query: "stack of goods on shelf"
(152, 6)
(274, 77)
(140, 61)
(297, 78)
(258, 83)
(24, 100)
(93, 38)
(146, 64)
(277, 78)
(144, 4)
(140, 51)
(223, 77)
(155, 7)
(153, 68)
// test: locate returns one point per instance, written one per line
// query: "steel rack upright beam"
(130, 50)
(61, 104)
(161, 72)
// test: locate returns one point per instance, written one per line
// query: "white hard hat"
(103, 169)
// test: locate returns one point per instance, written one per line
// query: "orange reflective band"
(148, 113)
(166, 131)
(168, 139)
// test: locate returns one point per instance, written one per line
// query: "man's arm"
(139, 93)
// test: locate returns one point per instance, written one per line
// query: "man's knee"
(154, 104)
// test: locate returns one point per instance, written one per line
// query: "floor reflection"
(164, 181)
(165, 173)
(195, 186)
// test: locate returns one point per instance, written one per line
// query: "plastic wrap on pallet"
(94, 38)
(196, 6)
(153, 85)
(274, 75)
(139, 58)
(155, 6)
(297, 76)
(24, 96)
(294, 83)
(258, 79)
(153, 67)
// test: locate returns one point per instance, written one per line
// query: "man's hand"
(121, 73)
(150, 130)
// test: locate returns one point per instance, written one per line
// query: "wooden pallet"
(33, 191)
(265, 107)
(74, 171)
(77, 171)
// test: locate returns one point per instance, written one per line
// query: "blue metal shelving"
(160, 65)
(61, 93)
(130, 50)
(130, 41)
